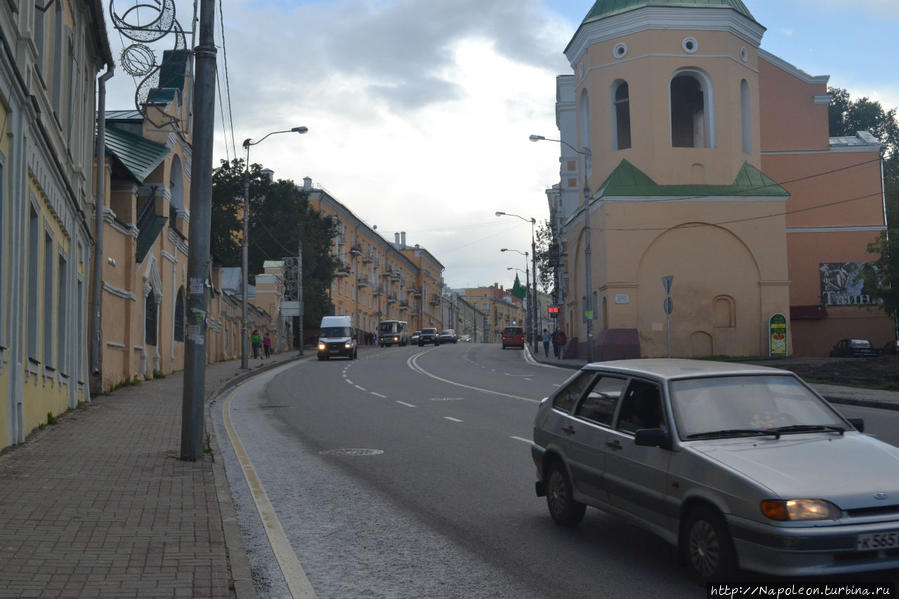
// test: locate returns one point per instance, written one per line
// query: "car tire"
(706, 546)
(565, 511)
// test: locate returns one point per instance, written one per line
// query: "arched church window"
(724, 313)
(176, 189)
(744, 117)
(622, 115)
(692, 125)
(151, 312)
(179, 315)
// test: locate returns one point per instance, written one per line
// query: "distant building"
(376, 279)
(706, 158)
(501, 309)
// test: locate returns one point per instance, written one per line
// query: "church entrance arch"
(708, 262)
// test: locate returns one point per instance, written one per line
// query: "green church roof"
(628, 181)
(608, 8)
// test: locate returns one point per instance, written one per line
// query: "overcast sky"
(419, 111)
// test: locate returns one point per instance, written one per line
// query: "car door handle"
(568, 430)
(614, 444)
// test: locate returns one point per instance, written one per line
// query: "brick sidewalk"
(99, 504)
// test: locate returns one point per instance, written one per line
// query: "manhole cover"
(352, 452)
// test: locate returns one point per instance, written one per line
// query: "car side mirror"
(858, 423)
(652, 437)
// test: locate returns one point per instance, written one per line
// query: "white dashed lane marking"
(451, 419)
(522, 439)
(378, 395)
(363, 389)
(402, 403)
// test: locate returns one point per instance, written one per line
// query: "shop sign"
(777, 335)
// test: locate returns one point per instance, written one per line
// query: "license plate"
(877, 540)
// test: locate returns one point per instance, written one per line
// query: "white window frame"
(708, 98)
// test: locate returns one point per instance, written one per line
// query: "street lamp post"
(533, 311)
(527, 283)
(245, 250)
(588, 278)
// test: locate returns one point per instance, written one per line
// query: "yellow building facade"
(377, 280)
(48, 81)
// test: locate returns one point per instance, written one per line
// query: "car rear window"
(513, 331)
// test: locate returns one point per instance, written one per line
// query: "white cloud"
(418, 113)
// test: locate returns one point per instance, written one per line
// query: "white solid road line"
(402, 403)
(412, 363)
(451, 418)
(297, 582)
(528, 441)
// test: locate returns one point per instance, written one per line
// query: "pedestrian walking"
(256, 340)
(556, 344)
(563, 341)
(267, 345)
(546, 342)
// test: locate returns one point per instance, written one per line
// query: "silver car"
(738, 466)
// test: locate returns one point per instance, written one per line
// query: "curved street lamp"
(533, 310)
(245, 341)
(588, 281)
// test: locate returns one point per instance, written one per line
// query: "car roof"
(670, 369)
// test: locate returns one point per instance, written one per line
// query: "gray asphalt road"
(444, 504)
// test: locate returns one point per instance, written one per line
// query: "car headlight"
(348, 344)
(396, 338)
(321, 346)
(800, 509)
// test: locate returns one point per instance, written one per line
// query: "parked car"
(465, 338)
(853, 348)
(415, 336)
(513, 337)
(736, 465)
(428, 336)
(447, 336)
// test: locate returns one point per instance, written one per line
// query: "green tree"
(846, 117)
(546, 279)
(883, 279)
(518, 290)
(280, 216)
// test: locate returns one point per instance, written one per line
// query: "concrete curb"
(852, 401)
(239, 563)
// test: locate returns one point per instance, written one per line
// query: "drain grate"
(352, 452)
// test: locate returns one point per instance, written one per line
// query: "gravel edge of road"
(238, 562)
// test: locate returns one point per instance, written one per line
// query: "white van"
(336, 338)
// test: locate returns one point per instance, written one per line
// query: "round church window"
(620, 50)
(690, 45)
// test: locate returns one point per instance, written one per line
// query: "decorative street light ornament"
(145, 22)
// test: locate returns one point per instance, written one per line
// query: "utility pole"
(536, 325)
(300, 290)
(194, 389)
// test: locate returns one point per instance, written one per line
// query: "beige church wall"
(723, 291)
(651, 61)
(852, 175)
(790, 118)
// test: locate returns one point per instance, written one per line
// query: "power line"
(227, 78)
(749, 218)
(218, 88)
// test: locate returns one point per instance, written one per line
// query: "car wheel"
(564, 510)
(707, 547)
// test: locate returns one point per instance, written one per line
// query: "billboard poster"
(843, 283)
(777, 335)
